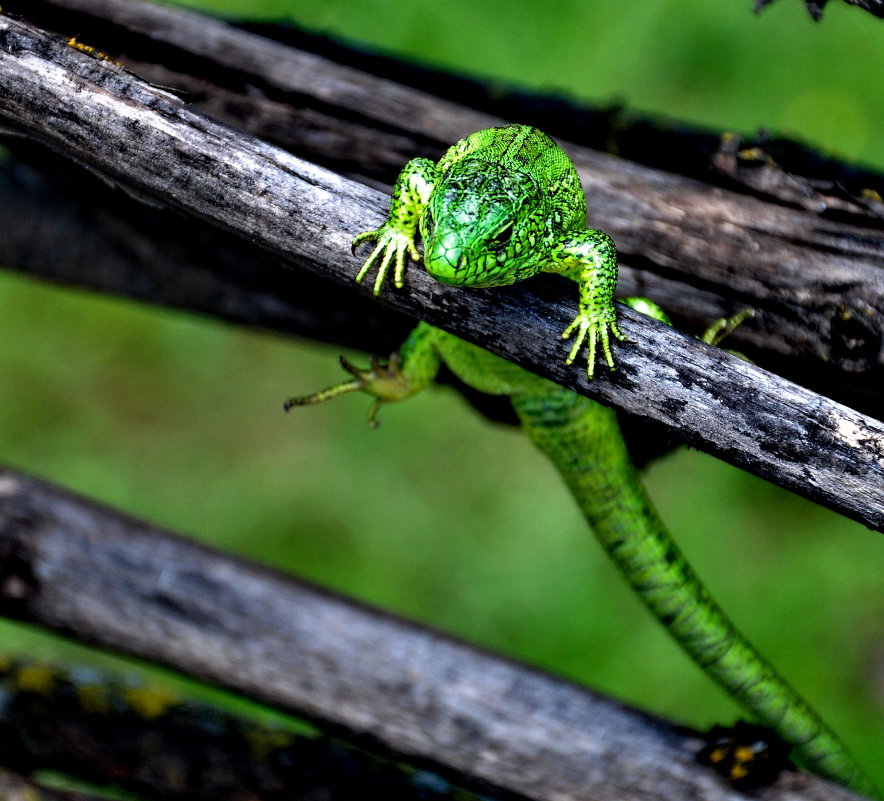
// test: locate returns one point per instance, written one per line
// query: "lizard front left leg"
(396, 236)
(590, 259)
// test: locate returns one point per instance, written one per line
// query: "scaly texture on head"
(510, 194)
(483, 225)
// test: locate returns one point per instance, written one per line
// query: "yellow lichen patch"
(717, 755)
(871, 194)
(744, 753)
(91, 51)
(150, 702)
(35, 678)
(738, 772)
(756, 154)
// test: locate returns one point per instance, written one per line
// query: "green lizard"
(501, 205)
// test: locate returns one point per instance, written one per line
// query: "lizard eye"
(501, 237)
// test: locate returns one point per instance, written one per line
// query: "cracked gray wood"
(100, 576)
(814, 272)
(148, 140)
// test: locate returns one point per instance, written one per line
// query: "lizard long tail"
(584, 442)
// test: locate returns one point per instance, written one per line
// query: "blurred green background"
(178, 419)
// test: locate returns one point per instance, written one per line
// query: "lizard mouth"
(447, 265)
(461, 272)
(458, 274)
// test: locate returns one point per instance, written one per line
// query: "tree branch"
(805, 250)
(148, 140)
(85, 571)
(145, 739)
(62, 223)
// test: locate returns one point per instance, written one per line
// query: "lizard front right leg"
(395, 238)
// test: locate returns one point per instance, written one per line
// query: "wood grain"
(800, 251)
(814, 270)
(105, 578)
(146, 139)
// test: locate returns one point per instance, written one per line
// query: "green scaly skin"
(504, 204)
(500, 206)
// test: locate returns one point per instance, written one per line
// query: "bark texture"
(146, 139)
(102, 577)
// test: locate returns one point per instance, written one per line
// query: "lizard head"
(482, 225)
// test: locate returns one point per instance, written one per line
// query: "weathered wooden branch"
(104, 578)
(147, 139)
(804, 251)
(62, 223)
(141, 737)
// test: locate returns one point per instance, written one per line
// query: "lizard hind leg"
(720, 329)
(407, 372)
(383, 381)
(725, 327)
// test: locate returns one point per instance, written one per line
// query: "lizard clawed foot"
(592, 330)
(725, 327)
(385, 382)
(392, 245)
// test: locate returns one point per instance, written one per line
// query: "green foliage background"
(178, 419)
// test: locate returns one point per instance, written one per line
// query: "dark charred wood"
(148, 140)
(142, 738)
(815, 7)
(104, 578)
